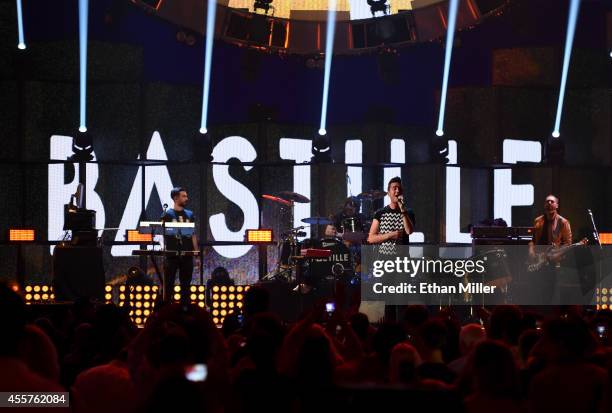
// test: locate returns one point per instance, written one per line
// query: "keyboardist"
(181, 263)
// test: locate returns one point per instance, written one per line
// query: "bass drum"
(339, 264)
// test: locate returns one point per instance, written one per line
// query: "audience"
(181, 361)
(495, 386)
(433, 337)
(469, 336)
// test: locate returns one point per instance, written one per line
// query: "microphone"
(165, 207)
(400, 200)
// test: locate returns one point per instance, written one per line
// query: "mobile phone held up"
(196, 372)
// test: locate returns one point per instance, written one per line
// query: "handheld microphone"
(400, 199)
(165, 207)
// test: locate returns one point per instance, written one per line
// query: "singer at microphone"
(392, 224)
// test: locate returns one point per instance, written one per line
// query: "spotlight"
(82, 129)
(21, 46)
(322, 131)
(439, 132)
(321, 149)
(438, 150)
(265, 5)
(82, 147)
(556, 134)
(203, 131)
(378, 5)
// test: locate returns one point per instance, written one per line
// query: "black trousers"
(184, 266)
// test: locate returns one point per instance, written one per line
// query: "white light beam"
(453, 5)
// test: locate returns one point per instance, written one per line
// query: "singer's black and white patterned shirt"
(390, 220)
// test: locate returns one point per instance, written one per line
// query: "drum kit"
(343, 242)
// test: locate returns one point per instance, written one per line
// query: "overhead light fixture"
(82, 148)
(321, 149)
(265, 5)
(378, 6)
(438, 150)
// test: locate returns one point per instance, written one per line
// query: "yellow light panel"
(258, 236)
(605, 238)
(21, 235)
(132, 235)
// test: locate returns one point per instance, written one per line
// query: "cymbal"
(277, 200)
(294, 196)
(317, 220)
(372, 194)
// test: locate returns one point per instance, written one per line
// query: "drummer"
(349, 210)
(330, 231)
